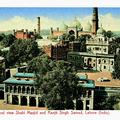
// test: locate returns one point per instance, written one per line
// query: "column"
(37, 101)
(87, 94)
(10, 99)
(28, 100)
(16, 89)
(19, 99)
(84, 104)
(12, 89)
(91, 100)
(5, 97)
(25, 89)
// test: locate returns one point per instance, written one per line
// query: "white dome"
(100, 30)
(87, 27)
(64, 26)
(76, 23)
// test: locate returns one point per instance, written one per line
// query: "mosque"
(76, 28)
(97, 54)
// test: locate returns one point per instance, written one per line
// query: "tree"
(113, 45)
(22, 51)
(2, 36)
(8, 40)
(56, 81)
(58, 87)
(108, 34)
(116, 73)
(82, 40)
(40, 64)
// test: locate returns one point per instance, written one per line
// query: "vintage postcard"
(59, 61)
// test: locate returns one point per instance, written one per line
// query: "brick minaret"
(95, 20)
(38, 25)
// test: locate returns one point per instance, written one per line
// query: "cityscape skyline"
(25, 18)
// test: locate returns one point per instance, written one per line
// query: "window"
(105, 50)
(93, 65)
(111, 62)
(104, 61)
(99, 61)
(104, 67)
(96, 48)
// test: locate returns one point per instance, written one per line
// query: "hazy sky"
(18, 18)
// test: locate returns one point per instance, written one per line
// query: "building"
(75, 28)
(25, 34)
(21, 34)
(21, 89)
(85, 98)
(97, 54)
(105, 86)
(2, 68)
(56, 52)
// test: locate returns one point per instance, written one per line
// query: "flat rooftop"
(19, 81)
(26, 75)
(96, 75)
(92, 54)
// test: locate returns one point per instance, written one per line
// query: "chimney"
(57, 28)
(34, 31)
(26, 31)
(51, 30)
(38, 25)
(95, 20)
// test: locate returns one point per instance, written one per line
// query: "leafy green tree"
(2, 36)
(40, 64)
(116, 73)
(58, 87)
(82, 40)
(56, 81)
(8, 40)
(22, 51)
(108, 34)
(113, 45)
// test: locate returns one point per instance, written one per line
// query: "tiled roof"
(24, 75)
(20, 81)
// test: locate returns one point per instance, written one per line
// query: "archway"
(10, 88)
(23, 101)
(41, 103)
(79, 105)
(15, 89)
(28, 90)
(71, 32)
(1, 94)
(19, 89)
(32, 90)
(32, 101)
(89, 62)
(15, 100)
(23, 89)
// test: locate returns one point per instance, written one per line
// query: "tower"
(95, 20)
(38, 25)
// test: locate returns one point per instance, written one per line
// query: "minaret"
(38, 25)
(95, 20)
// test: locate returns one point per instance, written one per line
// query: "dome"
(76, 23)
(88, 27)
(64, 26)
(100, 30)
